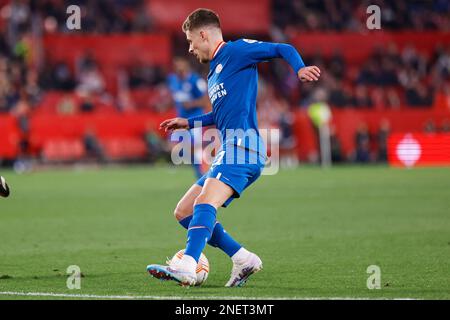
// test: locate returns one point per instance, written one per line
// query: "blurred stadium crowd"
(389, 79)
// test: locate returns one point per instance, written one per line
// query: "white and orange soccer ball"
(202, 266)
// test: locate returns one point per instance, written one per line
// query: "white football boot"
(245, 263)
(181, 272)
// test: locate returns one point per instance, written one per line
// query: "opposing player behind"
(188, 90)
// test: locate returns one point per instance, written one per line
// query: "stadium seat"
(124, 148)
(63, 150)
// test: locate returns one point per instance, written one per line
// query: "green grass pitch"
(317, 231)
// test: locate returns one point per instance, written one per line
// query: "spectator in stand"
(362, 143)
(337, 65)
(378, 97)
(335, 145)
(368, 74)
(31, 87)
(430, 126)
(361, 99)
(392, 53)
(388, 74)
(91, 81)
(157, 147)
(87, 103)
(441, 68)
(143, 75)
(62, 78)
(142, 22)
(8, 96)
(274, 113)
(382, 137)
(162, 100)
(21, 111)
(392, 99)
(386, 67)
(344, 15)
(340, 96)
(103, 16)
(92, 146)
(286, 123)
(419, 96)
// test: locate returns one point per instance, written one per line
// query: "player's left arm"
(259, 51)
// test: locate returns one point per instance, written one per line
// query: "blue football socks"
(219, 239)
(200, 229)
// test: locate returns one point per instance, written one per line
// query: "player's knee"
(182, 211)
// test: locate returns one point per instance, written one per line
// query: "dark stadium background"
(97, 94)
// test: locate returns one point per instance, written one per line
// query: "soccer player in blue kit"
(232, 89)
(188, 91)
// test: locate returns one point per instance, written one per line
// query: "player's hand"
(308, 74)
(174, 123)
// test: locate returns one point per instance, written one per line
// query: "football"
(202, 266)
(4, 189)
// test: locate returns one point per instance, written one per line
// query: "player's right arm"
(174, 123)
(203, 120)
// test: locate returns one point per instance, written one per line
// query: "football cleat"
(183, 277)
(242, 271)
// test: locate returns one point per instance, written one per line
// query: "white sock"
(240, 256)
(188, 263)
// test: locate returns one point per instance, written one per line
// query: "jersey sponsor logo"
(217, 91)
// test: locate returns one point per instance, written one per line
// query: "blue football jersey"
(184, 90)
(233, 87)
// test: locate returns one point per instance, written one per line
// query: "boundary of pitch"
(128, 297)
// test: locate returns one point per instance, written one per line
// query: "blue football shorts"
(236, 167)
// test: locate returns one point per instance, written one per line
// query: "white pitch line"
(93, 296)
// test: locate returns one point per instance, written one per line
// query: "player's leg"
(184, 214)
(245, 263)
(213, 194)
(183, 210)
(220, 238)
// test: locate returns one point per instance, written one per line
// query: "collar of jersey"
(219, 50)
